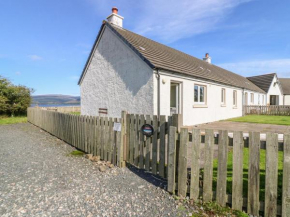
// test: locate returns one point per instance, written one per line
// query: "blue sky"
(44, 44)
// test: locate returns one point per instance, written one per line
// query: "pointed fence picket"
(174, 153)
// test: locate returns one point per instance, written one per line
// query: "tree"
(14, 99)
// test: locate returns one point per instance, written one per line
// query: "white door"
(174, 98)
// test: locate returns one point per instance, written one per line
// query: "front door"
(274, 100)
(174, 98)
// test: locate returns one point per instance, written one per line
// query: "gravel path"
(38, 177)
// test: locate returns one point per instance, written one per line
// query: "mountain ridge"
(55, 99)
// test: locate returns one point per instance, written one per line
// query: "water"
(54, 105)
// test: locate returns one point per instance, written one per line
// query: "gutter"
(158, 93)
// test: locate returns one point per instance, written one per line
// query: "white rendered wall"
(193, 115)
(287, 99)
(116, 79)
(258, 98)
(275, 90)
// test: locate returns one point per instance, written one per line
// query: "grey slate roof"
(160, 56)
(285, 83)
(263, 81)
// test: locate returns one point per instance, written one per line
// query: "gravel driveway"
(38, 177)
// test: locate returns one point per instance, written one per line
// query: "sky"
(44, 44)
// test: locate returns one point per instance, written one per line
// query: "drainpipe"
(243, 102)
(158, 92)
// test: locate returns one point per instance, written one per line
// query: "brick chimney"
(115, 18)
(207, 58)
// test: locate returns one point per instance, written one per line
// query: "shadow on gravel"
(149, 177)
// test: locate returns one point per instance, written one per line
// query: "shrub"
(14, 99)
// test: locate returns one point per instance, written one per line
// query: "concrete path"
(245, 127)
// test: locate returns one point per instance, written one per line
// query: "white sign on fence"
(117, 126)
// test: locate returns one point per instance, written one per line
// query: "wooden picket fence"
(198, 182)
(93, 135)
(166, 154)
(149, 153)
(267, 110)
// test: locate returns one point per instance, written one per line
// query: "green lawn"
(12, 120)
(245, 173)
(263, 119)
(75, 113)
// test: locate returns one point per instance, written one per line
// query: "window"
(259, 99)
(262, 99)
(252, 98)
(235, 98)
(223, 96)
(199, 94)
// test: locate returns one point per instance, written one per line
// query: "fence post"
(123, 156)
(177, 121)
(171, 159)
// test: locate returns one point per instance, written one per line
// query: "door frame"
(180, 95)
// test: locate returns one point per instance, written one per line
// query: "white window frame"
(252, 98)
(198, 96)
(235, 98)
(258, 99)
(223, 96)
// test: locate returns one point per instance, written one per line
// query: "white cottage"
(126, 71)
(285, 83)
(271, 85)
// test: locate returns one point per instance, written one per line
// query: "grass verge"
(12, 120)
(76, 153)
(75, 113)
(245, 173)
(263, 119)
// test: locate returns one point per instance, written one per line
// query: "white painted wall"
(258, 98)
(287, 99)
(275, 90)
(192, 115)
(116, 79)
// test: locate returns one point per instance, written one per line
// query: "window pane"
(235, 98)
(195, 93)
(223, 95)
(173, 96)
(201, 97)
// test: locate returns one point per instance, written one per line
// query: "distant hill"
(56, 99)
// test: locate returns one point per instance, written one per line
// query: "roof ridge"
(274, 73)
(158, 55)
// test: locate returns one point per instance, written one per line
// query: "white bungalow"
(126, 71)
(271, 85)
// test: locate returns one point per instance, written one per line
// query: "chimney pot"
(115, 18)
(115, 10)
(207, 58)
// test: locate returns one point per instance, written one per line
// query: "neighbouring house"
(271, 85)
(285, 83)
(126, 71)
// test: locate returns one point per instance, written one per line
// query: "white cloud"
(258, 67)
(18, 73)
(171, 20)
(35, 57)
